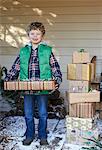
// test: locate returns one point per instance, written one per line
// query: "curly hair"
(35, 26)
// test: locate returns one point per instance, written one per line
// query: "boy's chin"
(36, 42)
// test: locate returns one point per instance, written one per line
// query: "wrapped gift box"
(82, 110)
(48, 85)
(22, 85)
(81, 137)
(36, 85)
(80, 123)
(27, 85)
(93, 96)
(80, 57)
(12, 85)
(80, 72)
(78, 86)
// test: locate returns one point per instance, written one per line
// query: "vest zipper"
(29, 62)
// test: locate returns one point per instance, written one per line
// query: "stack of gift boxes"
(81, 120)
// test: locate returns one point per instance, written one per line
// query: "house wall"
(70, 25)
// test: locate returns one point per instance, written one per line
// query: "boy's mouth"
(34, 39)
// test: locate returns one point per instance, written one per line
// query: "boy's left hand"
(56, 86)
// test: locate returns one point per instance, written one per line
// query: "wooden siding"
(70, 25)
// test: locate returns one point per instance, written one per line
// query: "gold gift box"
(80, 72)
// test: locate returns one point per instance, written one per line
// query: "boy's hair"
(35, 26)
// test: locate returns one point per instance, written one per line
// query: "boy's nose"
(35, 35)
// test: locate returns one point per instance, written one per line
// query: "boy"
(36, 62)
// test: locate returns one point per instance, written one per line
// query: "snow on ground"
(14, 129)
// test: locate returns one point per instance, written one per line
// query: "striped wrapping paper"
(29, 85)
(82, 110)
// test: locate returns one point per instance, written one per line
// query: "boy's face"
(35, 36)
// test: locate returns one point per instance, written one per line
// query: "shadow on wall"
(15, 16)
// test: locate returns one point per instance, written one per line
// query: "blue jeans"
(42, 103)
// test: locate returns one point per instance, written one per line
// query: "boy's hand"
(56, 86)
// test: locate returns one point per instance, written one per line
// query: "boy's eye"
(38, 33)
(35, 34)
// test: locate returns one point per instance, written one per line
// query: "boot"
(44, 142)
(27, 141)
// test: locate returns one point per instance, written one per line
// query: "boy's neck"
(34, 45)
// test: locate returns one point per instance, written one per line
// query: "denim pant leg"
(29, 117)
(43, 114)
